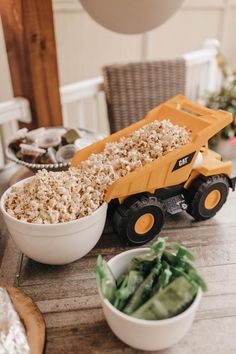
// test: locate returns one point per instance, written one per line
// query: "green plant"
(224, 99)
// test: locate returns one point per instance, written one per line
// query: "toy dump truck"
(192, 178)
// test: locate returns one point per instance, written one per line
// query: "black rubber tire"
(112, 206)
(127, 214)
(199, 190)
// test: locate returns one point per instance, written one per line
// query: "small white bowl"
(144, 334)
(55, 243)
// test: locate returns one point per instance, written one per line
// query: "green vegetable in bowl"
(105, 279)
(143, 291)
(164, 278)
(128, 286)
(182, 252)
(168, 302)
(145, 262)
(158, 284)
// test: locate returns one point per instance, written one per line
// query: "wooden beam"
(30, 43)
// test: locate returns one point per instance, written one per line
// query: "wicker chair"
(133, 89)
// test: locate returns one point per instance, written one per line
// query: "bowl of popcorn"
(57, 217)
(49, 220)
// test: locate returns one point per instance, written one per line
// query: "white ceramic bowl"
(56, 243)
(144, 334)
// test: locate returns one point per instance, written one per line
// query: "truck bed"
(174, 167)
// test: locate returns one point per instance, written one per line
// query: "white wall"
(5, 81)
(84, 46)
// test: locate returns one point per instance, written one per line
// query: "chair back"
(134, 89)
(84, 105)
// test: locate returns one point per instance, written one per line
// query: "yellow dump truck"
(192, 178)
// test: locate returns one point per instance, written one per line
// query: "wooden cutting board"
(31, 318)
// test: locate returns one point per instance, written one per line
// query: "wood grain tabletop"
(68, 298)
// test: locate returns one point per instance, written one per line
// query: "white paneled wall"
(83, 102)
(84, 46)
(5, 82)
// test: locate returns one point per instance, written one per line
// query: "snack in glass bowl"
(38, 148)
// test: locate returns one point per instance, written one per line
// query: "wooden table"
(68, 298)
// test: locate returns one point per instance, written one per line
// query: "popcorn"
(57, 197)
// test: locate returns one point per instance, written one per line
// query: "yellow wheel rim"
(144, 224)
(212, 199)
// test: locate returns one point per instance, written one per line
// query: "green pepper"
(167, 302)
(143, 291)
(105, 279)
(186, 266)
(190, 273)
(197, 280)
(181, 267)
(134, 280)
(178, 272)
(146, 261)
(159, 246)
(127, 288)
(120, 280)
(182, 252)
(164, 278)
(119, 297)
(170, 258)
